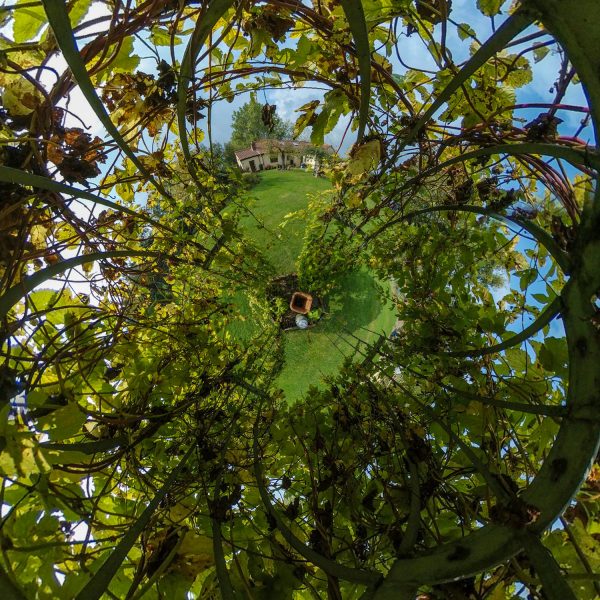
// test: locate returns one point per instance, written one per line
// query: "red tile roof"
(248, 153)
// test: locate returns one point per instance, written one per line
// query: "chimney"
(253, 146)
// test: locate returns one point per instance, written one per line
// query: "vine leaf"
(28, 21)
(9, 590)
(490, 8)
(99, 583)
(30, 282)
(56, 11)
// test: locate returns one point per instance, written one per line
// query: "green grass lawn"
(359, 306)
(278, 194)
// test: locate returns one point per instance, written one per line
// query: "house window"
(273, 158)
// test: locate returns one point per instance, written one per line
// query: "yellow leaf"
(353, 200)
(20, 457)
(20, 97)
(38, 236)
(178, 512)
(125, 190)
(498, 593)
(364, 158)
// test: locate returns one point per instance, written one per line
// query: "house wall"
(271, 156)
(293, 160)
(276, 159)
(264, 161)
(244, 164)
(272, 164)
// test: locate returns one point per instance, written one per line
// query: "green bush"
(250, 179)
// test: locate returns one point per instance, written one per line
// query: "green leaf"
(62, 423)
(490, 8)
(526, 278)
(465, 31)
(517, 359)
(36, 398)
(9, 590)
(540, 52)
(520, 72)
(28, 21)
(553, 355)
(160, 36)
(125, 61)
(78, 11)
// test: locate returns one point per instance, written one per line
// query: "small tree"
(251, 122)
(222, 155)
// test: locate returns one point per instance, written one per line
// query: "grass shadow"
(354, 303)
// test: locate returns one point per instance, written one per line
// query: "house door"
(252, 166)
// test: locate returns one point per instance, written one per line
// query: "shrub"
(250, 179)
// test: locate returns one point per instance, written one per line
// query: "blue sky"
(413, 54)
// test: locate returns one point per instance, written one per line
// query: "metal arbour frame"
(574, 23)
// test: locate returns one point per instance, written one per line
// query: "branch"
(553, 309)
(369, 578)
(411, 533)
(506, 32)
(85, 447)
(547, 569)
(586, 157)
(99, 583)
(356, 18)
(225, 586)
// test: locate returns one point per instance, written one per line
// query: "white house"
(278, 154)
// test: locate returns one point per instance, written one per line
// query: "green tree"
(250, 123)
(221, 155)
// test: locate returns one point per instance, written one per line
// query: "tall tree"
(254, 121)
